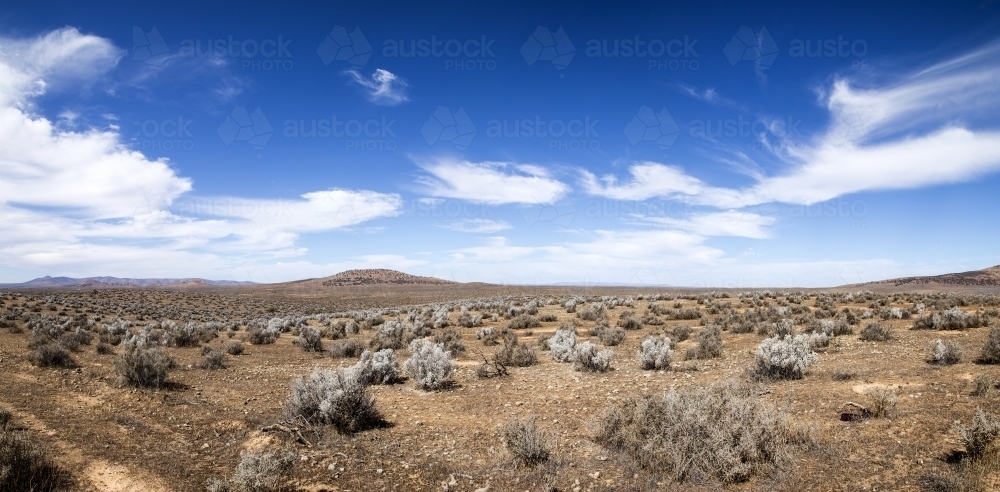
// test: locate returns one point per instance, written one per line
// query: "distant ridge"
(372, 276)
(98, 282)
(985, 277)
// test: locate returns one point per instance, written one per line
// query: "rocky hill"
(985, 277)
(372, 276)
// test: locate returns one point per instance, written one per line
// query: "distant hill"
(373, 276)
(98, 282)
(985, 277)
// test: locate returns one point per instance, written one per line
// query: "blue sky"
(695, 144)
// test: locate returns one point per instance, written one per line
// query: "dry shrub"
(980, 438)
(452, 341)
(608, 335)
(991, 349)
(876, 332)
(310, 339)
(346, 348)
(587, 358)
(655, 353)
(516, 354)
(213, 360)
(710, 342)
(142, 366)
(257, 472)
(719, 432)
(430, 365)
(335, 397)
(983, 384)
(234, 348)
(51, 355)
(881, 402)
(965, 480)
(784, 358)
(527, 444)
(524, 321)
(24, 465)
(945, 353)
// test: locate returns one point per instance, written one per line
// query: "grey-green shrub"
(430, 366)
(784, 358)
(334, 397)
(655, 353)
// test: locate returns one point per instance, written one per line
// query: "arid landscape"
(870, 401)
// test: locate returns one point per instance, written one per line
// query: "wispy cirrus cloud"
(922, 130)
(477, 226)
(382, 87)
(490, 182)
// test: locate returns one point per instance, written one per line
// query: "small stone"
(380, 471)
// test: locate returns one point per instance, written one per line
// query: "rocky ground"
(178, 437)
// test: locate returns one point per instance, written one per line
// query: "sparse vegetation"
(982, 384)
(234, 348)
(310, 339)
(945, 353)
(516, 354)
(881, 402)
(876, 332)
(24, 466)
(51, 355)
(720, 432)
(980, 438)
(335, 397)
(523, 322)
(430, 365)
(346, 348)
(587, 357)
(709, 342)
(655, 353)
(257, 471)
(991, 349)
(525, 442)
(213, 359)
(142, 366)
(784, 358)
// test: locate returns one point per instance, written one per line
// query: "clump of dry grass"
(980, 438)
(876, 332)
(881, 402)
(24, 465)
(525, 441)
(142, 366)
(720, 432)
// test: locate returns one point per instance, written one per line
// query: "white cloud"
(727, 223)
(383, 87)
(914, 133)
(491, 182)
(79, 201)
(478, 226)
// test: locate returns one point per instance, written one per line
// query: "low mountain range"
(99, 282)
(985, 277)
(989, 277)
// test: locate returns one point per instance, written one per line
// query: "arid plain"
(544, 388)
